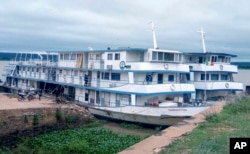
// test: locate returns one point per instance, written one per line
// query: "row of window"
(31, 69)
(224, 59)
(114, 76)
(223, 77)
(74, 56)
(162, 56)
(91, 56)
(67, 56)
(110, 56)
(68, 72)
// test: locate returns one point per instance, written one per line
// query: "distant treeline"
(242, 65)
(14, 56)
(7, 56)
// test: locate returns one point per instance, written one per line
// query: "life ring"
(221, 67)
(227, 85)
(165, 66)
(122, 64)
(172, 87)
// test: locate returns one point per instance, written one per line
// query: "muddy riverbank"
(30, 118)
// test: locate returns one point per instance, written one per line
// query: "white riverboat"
(212, 74)
(149, 86)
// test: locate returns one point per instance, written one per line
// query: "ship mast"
(204, 51)
(203, 40)
(154, 36)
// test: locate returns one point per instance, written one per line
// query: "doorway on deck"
(160, 78)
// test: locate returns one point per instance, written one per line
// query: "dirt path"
(156, 143)
(8, 103)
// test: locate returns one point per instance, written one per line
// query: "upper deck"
(124, 59)
(210, 62)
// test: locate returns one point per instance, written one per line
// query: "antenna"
(203, 39)
(154, 36)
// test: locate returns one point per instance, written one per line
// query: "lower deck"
(85, 95)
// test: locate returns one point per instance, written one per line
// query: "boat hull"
(146, 115)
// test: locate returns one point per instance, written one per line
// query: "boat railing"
(37, 62)
(90, 82)
(162, 82)
(99, 102)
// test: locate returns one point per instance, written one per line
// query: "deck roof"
(210, 53)
(105, 50)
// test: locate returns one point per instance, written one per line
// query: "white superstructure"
(152, 86)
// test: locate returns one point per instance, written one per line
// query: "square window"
(91, 56)
(66, 56)
(105, 76)
(117, 56)
(170, 78)
(214, 77)
(97, 56)
(169, 57)
(115, 76)
(73, 57)
(154, 56)
(203, 76)
(223, 77)
(160, 55)
(110, 56)
(61, 56)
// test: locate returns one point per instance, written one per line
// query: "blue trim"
(102, 70)
(140, 93)
(214, 71)
(111, 50)
(228, 89)
(105, 90)
(210, 53)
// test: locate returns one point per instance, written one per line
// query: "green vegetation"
(242, 65)
(213, 136)
(92, 138)
(26, 119)
(210, 137)
(130, 126)
(59, 115)
(36, 119)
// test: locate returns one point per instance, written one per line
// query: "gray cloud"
(78, 24)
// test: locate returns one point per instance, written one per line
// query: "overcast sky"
(78, 24)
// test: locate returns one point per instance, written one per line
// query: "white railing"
(225, 85)
(215, 67)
